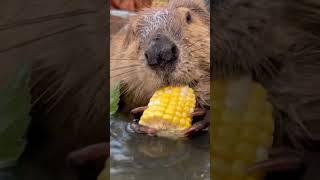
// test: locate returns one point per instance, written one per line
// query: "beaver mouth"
(165, 69)
(170, 80)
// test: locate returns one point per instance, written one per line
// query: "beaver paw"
(199, 126)
(137, 128)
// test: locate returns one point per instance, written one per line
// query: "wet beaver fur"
(277, 44)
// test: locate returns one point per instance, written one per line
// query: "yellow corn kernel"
(242, 129)
(170, 108)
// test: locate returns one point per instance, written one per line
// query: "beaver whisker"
(294, 116)
(191, 82)
(126, 89)
(128, 78)
(44, 92)
(199, 57)
(189, 43)
(196, 50)
(123, 67)
(37, 81)
(187, 40)
(192, 43)
(131, 71)
(63, 90)
(136, 90)
(187, 78)
(193, 46)
(265, 69)
(203, 31)
(55, 94)
(42, 67)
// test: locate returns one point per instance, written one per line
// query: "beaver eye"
(188, 17)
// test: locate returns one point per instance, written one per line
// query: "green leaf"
(14, 115)
(114, 98)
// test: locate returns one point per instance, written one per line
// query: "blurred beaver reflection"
(277, 44)
(65, 43)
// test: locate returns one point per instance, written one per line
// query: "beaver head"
(164, 46)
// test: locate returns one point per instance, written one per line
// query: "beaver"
(161, 47)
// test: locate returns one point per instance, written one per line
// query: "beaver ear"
(202, 9)
(201, 3)
(197, 6)
(190, 4)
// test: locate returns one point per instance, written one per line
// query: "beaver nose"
(161, 51)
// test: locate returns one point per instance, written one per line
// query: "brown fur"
(127, 61)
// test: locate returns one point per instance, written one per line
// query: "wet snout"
(161, 52)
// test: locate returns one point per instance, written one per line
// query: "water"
(140, 157)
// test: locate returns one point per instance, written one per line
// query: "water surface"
(140, 157)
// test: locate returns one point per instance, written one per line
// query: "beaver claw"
(197, 128)
(137, 112)
(137, 128)
(200, 125)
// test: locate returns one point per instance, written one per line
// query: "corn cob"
(241, 131)
(170, 108)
